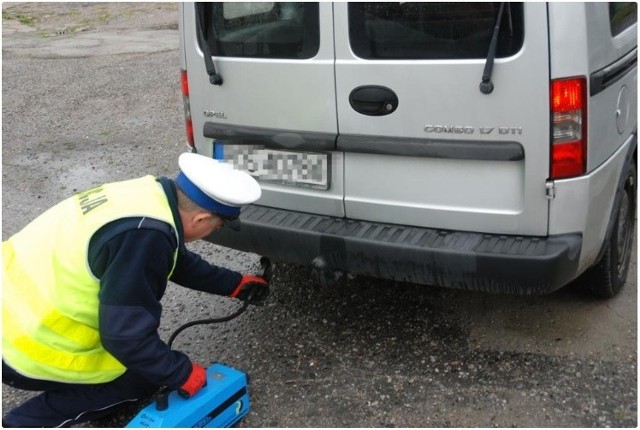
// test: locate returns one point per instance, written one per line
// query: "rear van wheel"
(607, 277)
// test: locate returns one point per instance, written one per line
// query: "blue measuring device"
(221, 403)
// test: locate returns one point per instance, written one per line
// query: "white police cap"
(215, 185)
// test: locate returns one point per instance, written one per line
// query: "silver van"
(483, 146)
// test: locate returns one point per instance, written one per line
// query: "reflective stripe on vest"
(49, 295)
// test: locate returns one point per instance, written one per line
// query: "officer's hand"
(255, 289)
(196, 380)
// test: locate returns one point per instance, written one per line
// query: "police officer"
(82, 283)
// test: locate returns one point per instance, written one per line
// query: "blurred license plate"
(301, 169)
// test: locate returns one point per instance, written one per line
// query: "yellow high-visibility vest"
(49, 295)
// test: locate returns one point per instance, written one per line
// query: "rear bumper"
(471, 261)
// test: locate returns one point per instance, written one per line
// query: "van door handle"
(373, 100)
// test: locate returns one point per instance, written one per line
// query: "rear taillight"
(569, 131)
(187, 109)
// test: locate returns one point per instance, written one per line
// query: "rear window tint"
(622, 16)
(262, 29)
(433, 30)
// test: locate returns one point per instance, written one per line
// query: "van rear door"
(274, 113)
(422, 144)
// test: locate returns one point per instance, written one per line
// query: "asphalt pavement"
(90, 94)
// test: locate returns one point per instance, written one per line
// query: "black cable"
(162, 403)
(266, 275)
(208, 321)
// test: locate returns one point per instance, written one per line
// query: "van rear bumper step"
(471, 261)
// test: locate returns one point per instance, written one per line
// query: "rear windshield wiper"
(214, 77)
(486, 86)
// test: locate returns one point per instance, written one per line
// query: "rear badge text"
(467, 129)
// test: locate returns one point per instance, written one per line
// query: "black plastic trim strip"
(272, 138)
(607, 76)
(385, 145)
(451, 149)
(473, 261)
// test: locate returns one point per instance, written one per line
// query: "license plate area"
(294, 168)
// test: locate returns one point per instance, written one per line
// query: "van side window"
(622, 16)
(262, 29)
(433, 30)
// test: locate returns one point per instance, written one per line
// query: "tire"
(608, 276)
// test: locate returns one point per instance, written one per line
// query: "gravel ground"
(91, 94)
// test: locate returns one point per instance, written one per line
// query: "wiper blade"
(486, 86)
(214, 77)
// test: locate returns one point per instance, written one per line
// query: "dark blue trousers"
(63, 405)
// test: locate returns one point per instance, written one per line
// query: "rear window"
(433, 30)
(262, 29)
(622, 16)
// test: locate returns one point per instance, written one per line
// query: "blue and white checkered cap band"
(203, 200)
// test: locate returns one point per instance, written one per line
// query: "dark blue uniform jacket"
(133, 257)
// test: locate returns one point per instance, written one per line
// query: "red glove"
(253, 288)
(196, 380)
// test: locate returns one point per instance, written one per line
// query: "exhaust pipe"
(322, 275)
